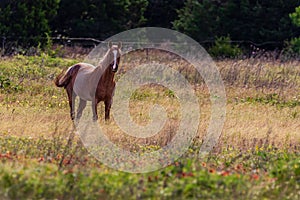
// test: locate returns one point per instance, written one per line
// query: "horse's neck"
(103, 74)
(109, 75)
(101, 68)
(105, 61)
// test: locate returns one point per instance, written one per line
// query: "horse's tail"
(64, 78)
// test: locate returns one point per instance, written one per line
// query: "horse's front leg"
(94, 109)
(107, 104)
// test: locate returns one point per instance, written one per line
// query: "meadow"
(257, 155)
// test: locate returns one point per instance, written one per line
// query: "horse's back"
(83, 86)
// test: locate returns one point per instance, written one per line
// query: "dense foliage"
(294, 44)
(264, 23)
(98, 19)
(28, 22)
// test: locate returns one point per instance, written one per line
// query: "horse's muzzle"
(115, 69)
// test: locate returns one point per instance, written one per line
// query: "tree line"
(266, 23)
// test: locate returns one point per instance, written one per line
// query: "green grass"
(30, 170)
(257, 157)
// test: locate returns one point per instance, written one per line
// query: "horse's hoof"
(72, 115)
(76, 122)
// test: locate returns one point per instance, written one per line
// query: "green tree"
(295, 16)
(293, 46)
(162, 13)
(223, 48)
(98, 18)
(198, 19)
(261, 21)
(27, 21)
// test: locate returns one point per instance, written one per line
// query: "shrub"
(4, 82)
(224, 48)
(293, 46)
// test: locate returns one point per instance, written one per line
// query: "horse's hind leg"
(82, 104)
(94, 109)
(71, 97)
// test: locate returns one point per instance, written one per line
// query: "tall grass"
(257, 156)
(261, 94)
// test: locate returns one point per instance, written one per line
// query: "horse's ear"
(119, 45)
(109, 44)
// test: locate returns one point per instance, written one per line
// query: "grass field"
(257, 157)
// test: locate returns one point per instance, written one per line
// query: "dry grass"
(244, 122)
(248, 123)
(22, 121)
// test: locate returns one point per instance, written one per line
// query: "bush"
(291, 49)
(293, 46)
(4, 82)
(224, 48)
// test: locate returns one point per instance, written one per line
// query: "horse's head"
(115, 54)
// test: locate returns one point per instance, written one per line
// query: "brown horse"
(91, 83)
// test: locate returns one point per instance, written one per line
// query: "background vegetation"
(267, 24)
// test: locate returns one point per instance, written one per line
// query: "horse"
(91, 83)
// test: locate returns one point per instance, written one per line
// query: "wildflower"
(41, 159)
(225, 173)
(255, 176)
